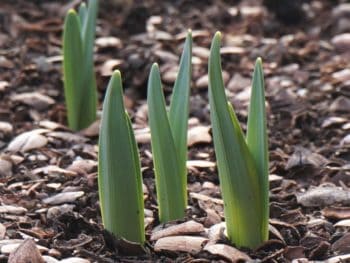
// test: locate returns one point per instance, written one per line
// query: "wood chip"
(189, 244)
(200, 164)
(6, 128)
(336, 212)
(75, 260)
(108, 67)
(229, 253)
(2, 231)
(342, 245)
(10, 209)
(53, 169)
(61, 198)
(190, 227)
(108, 42)
(302, 156)
(340, 104)
(206, 198)
(27, 251)
(343, 223)
(338, 259)
(28, 141)
(198, 134)
(324, 195)
(341, 41)
(67, 136)
(34, 99)
(330, 121)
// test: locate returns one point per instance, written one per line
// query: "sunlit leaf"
(119, 174)
(165, 158)
(237, 170)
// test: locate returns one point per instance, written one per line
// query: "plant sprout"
(169, 137)
(119, 172)
(242, 162)
(78, 69)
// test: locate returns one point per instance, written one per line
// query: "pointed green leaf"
(119, 173)
(167, 172)
(179, 110)
(72, 57)
(237, 171)
(88, 36)
(257, 139)
(82, 13)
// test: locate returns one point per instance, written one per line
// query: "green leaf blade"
(179, 109)
(257, 139)
(82, 13)
(72, 56)
(237, 171)
(167, 173)
(88, 36)
(119, 174)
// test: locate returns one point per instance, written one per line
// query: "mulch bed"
(48, 174)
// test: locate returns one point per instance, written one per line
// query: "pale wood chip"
(190, 227)
(229, 253)
(206, 198)
(189, 244)
(27, 251)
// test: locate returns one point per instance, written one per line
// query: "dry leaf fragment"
(190, 227)
(229, 253)
(26, 252)
(189, 244)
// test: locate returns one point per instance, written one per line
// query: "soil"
(306, 63)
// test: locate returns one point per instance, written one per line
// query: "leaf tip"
(217, 36)
(155, 67)
(116, 73)
(259, 61)
(71, 12)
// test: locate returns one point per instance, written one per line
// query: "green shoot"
(78, 67)
(242, 164)
(169, 137)
(119, 173)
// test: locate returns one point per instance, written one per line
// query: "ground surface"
(306, 65)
